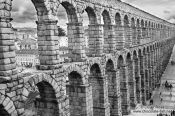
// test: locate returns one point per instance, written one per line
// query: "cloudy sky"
(24, 13)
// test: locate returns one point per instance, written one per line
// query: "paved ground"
(168, 102)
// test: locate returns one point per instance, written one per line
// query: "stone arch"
(126, 21)
(96, 61)
(91, 14)
(7, 107)
(131, 79)
(71, 11)
(127, 31)
(76, 91)
(75, 78)
(76, 68)
(138, 31)
(108, 32)
(141, 59)
(47, 99)
(119, 34)
(106, 17)
(137, 75)
(146, 73)
(143, 28)
(42, 9)
(112, 87)
(97, 83)
(42, 92)
(112, 58)
(94, 27)
(74, 27)
(118, 19)
(133, 27)
(123, 85)
(146, 28)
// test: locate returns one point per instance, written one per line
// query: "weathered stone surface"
(126, 60)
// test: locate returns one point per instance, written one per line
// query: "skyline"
(24, 13)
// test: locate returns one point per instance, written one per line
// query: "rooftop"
(28, 51)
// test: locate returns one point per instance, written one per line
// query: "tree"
(61, 31)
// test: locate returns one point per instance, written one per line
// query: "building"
(27, 52)
(28, 43)
(63, 54)
(27, 58)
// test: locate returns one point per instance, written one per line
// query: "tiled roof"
(28, 51)
(28, 41)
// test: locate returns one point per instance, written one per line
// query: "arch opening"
(123, 86)
(112, 87)
(97, 83)
(118, 31)
(127, 32)
(45, 104)
(94, 34)
(146, 82)
(137, 75)
(107, 32)
(138, 31)
(142, 75)
(134, 36)
(77, 94)
(131, 80)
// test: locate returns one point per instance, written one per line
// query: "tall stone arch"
(42, 93)
(119, 29)
(125, 104)
(137, 76)
(131, 79)
(108, 30)
(99, 91)
(113, 93)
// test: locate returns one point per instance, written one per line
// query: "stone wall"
(115, 75)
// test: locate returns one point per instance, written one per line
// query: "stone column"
(143, 92)
(152, 69)
(48, 43)
(76, 42)
(100, 105)
(95, 40)
(154, 66)
(159, 61)
(81, 102)
(7, 47)
(139, 35)
(134, 36)
(124, 90)
(109, 39)
(120, 37)
(143, 33)
(137, 80)
(131, 84)
(146, 76)
(114, 94)
(128, 36)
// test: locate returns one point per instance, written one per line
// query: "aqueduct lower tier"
(126, 58)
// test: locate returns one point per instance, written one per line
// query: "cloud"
(160, 8)
(24, 12)
(166, 12)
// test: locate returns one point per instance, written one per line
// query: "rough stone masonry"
(127, 56)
